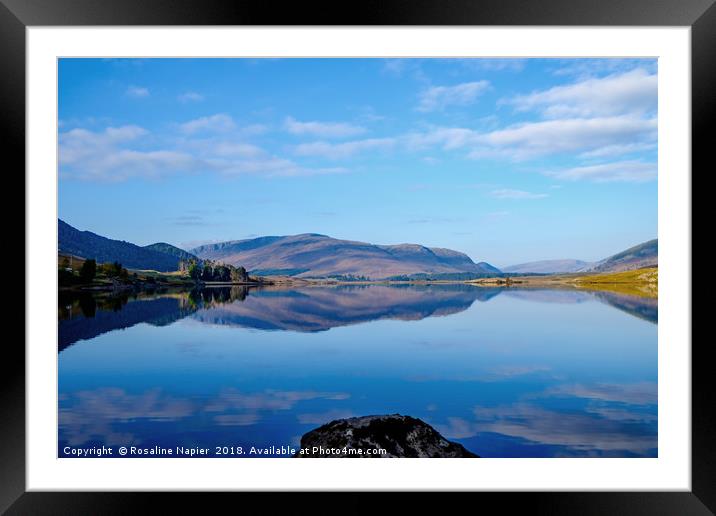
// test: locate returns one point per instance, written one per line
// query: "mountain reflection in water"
(86, 315)
(507, 372)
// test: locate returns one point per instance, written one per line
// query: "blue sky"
(508, 160)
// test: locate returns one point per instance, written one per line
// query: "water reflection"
(571, 420)
(85, 315)
(506, 372)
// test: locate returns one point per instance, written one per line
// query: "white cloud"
(619, 149)
(237, 149)
(137, 92)
(623, 171)
(214, 123)
(78, 145)
(322, 129)
(269, 165)
(591, 67)
(343, 150)
(439, 97)
(190, 96)
(590, 118)
(369, 114)
(233, 157)
(106, 156)
(100, 156)
(573, 135)
(589, 137)
(603, 137)
(506, 193)
(448, 138)
(632, 92)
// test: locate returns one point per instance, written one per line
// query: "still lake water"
(505, 372)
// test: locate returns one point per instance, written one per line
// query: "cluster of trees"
(89, 271)
(207, 270)
(114, 270)
(198, 270)
(349, 277)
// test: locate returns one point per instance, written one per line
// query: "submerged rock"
(360, 437)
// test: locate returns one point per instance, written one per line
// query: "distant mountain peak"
(638, 256)
(316, 255)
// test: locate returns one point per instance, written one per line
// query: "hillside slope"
(163, 247)
(637, 257)
(314, 255)
(90, 245)
(643, 255)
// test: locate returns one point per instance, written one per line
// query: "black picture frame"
(17, 15)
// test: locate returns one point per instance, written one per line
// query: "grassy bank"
(639, 282)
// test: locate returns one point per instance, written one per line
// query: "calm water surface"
(505, 372)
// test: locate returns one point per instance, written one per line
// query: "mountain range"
(643, 255)
(312, 255)
(548, 267)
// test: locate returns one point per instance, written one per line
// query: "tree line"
(197, 270)
(207, 270)
(90, 269)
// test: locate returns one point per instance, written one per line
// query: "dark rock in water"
(358, 437)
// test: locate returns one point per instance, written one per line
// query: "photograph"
(424, 257)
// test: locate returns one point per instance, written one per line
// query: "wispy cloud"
(506, 193)
(89, 155)
(622, 171)
(447, 138)
(586, 68)
(118, 153)
(336, 151)
(235, 148)
(322, 129)
(563, 136)
(619, 149)
(632, 92)
(369, 114)
(590, 137)
(190, 96)
(439, 97)
(214, 123)
(137, 92)
(269, 165)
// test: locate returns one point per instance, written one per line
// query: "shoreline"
(639, 282)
